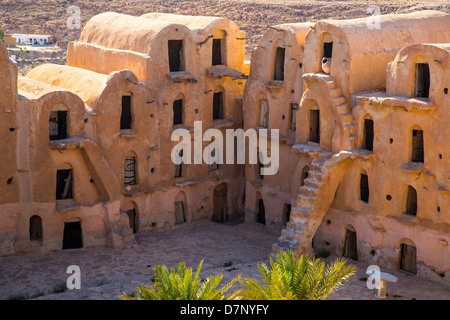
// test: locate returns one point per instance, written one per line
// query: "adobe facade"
(361, 114)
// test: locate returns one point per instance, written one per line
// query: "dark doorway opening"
(364, 188)
(368, 135)
(178, 112)
(286, 214)
(179, 167)
(417, 146)
(220, 203)
(411, 201)
(278, 73)
(218, 106)
(350, 245)
(64, 184)
(217, 52)
(261, 215)
(422, 83)
(408, 258)
(58, 125)
(179, 213)
(125, 117)
(327, 50)
(314, 126)
(35, 228)
(72, 238)
(304, 176)
(132, 219)
(175, 55)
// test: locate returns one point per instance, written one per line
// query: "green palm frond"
(182, 284)
(302, 279)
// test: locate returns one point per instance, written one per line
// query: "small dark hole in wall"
(292, 91)
(326, 243)
(300, 65)
(372, 252)
(438, 209)
(328, 221)
(91, 181)
(391, 140)
(441, 274)
(151, 116)
(152, 170)
(388, 197)
(12, 129)
(196, 110)
(282, 117)
(445, 90)
(153, 224)
(86, 120)
(9, 181)
(440, 156)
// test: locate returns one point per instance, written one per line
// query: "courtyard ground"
(226, 249)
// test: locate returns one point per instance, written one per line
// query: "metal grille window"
(130, 171)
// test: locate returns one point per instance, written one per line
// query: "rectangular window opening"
(130, 171)
(422, 80)
(364, 188)
(279, 64)
(58, 125)
(178, 112)
(368, 135)
(327, 50)
(314, 126)
(175, 55)
(217, 52)
(125, 117)
(294, 110)
(417, 146)
(218, 112)
(263, 113)
(64, 184)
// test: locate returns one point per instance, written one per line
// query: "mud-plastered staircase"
(312, 203)
(340, 105)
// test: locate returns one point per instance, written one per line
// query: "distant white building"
(32, 39)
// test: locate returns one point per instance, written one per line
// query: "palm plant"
(179, 285)
(302, 279)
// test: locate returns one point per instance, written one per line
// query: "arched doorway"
(220, 203)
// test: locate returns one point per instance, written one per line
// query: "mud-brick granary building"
(363, 137)
(88, 162)
(361, 113)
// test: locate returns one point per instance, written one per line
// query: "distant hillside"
(253, 16)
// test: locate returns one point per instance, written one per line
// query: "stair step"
(298, 226)
(278, 247)
(308, 190)
(343, 108)
(299, 212)
(290, 244)
(316, 175)
(335, 92)
(346, 118)
(312, 182)
(291, 234)
(305, 201)
(339, 101)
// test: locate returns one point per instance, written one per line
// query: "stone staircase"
(312, 203)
